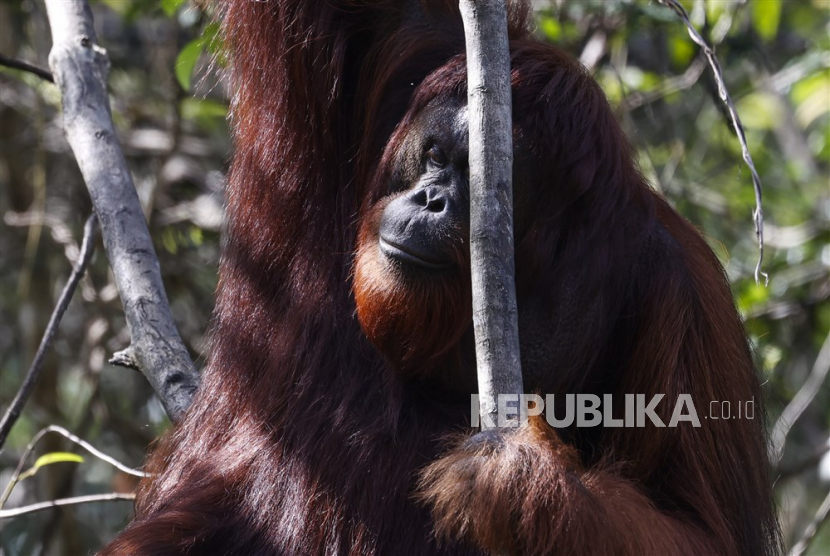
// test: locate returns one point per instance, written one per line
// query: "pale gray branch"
(40, 506)
(80, 68)
(812, 529)
(800, 402)
(495, 314)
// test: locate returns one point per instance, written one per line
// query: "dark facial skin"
(412, 280)
(427, 225)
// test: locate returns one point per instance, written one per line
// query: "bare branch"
(723, 93)
(65, 433)
(25, 66)
(800, 402)
(810, 533)
(495, 314)
(80, 68)
(40, 506)
(594, 50)
(13, 412)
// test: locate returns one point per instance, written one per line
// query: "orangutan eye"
(435, 156)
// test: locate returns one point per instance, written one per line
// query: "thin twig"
(723, 93)
(83, 443)
(87, 249)
(40, 506)
(25, 66)
(801, 401)
(61, 234)
(810, 532)
(65, 477)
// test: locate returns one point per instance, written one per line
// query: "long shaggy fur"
(308, 438)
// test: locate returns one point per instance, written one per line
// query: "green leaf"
(130, 11)
(760, 111)
(196, 236)
(57, 457)
(211, 38)
(168, 239)
(771, 355)
(170, 7)
(203, 110)
(714, 9)
(49, 459)
(551, 28)
(817, 82)
(752, 296)
(213, 43)
(121, 8)
(681, 50)
(186, 62)
(766, 15)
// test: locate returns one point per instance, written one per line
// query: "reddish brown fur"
(305, 438)
(414, 324)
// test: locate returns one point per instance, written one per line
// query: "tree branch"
(87, 249)
(82, 443)
(80, 69)
(723, 93)
(25, 66)
(495, 313)
(800, 401)
(40, 506)
(812, 529)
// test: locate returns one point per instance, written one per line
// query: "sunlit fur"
(307, 439)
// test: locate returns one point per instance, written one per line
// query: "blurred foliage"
(169, 106)
(176, 142)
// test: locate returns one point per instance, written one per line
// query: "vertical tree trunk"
(491, 208)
